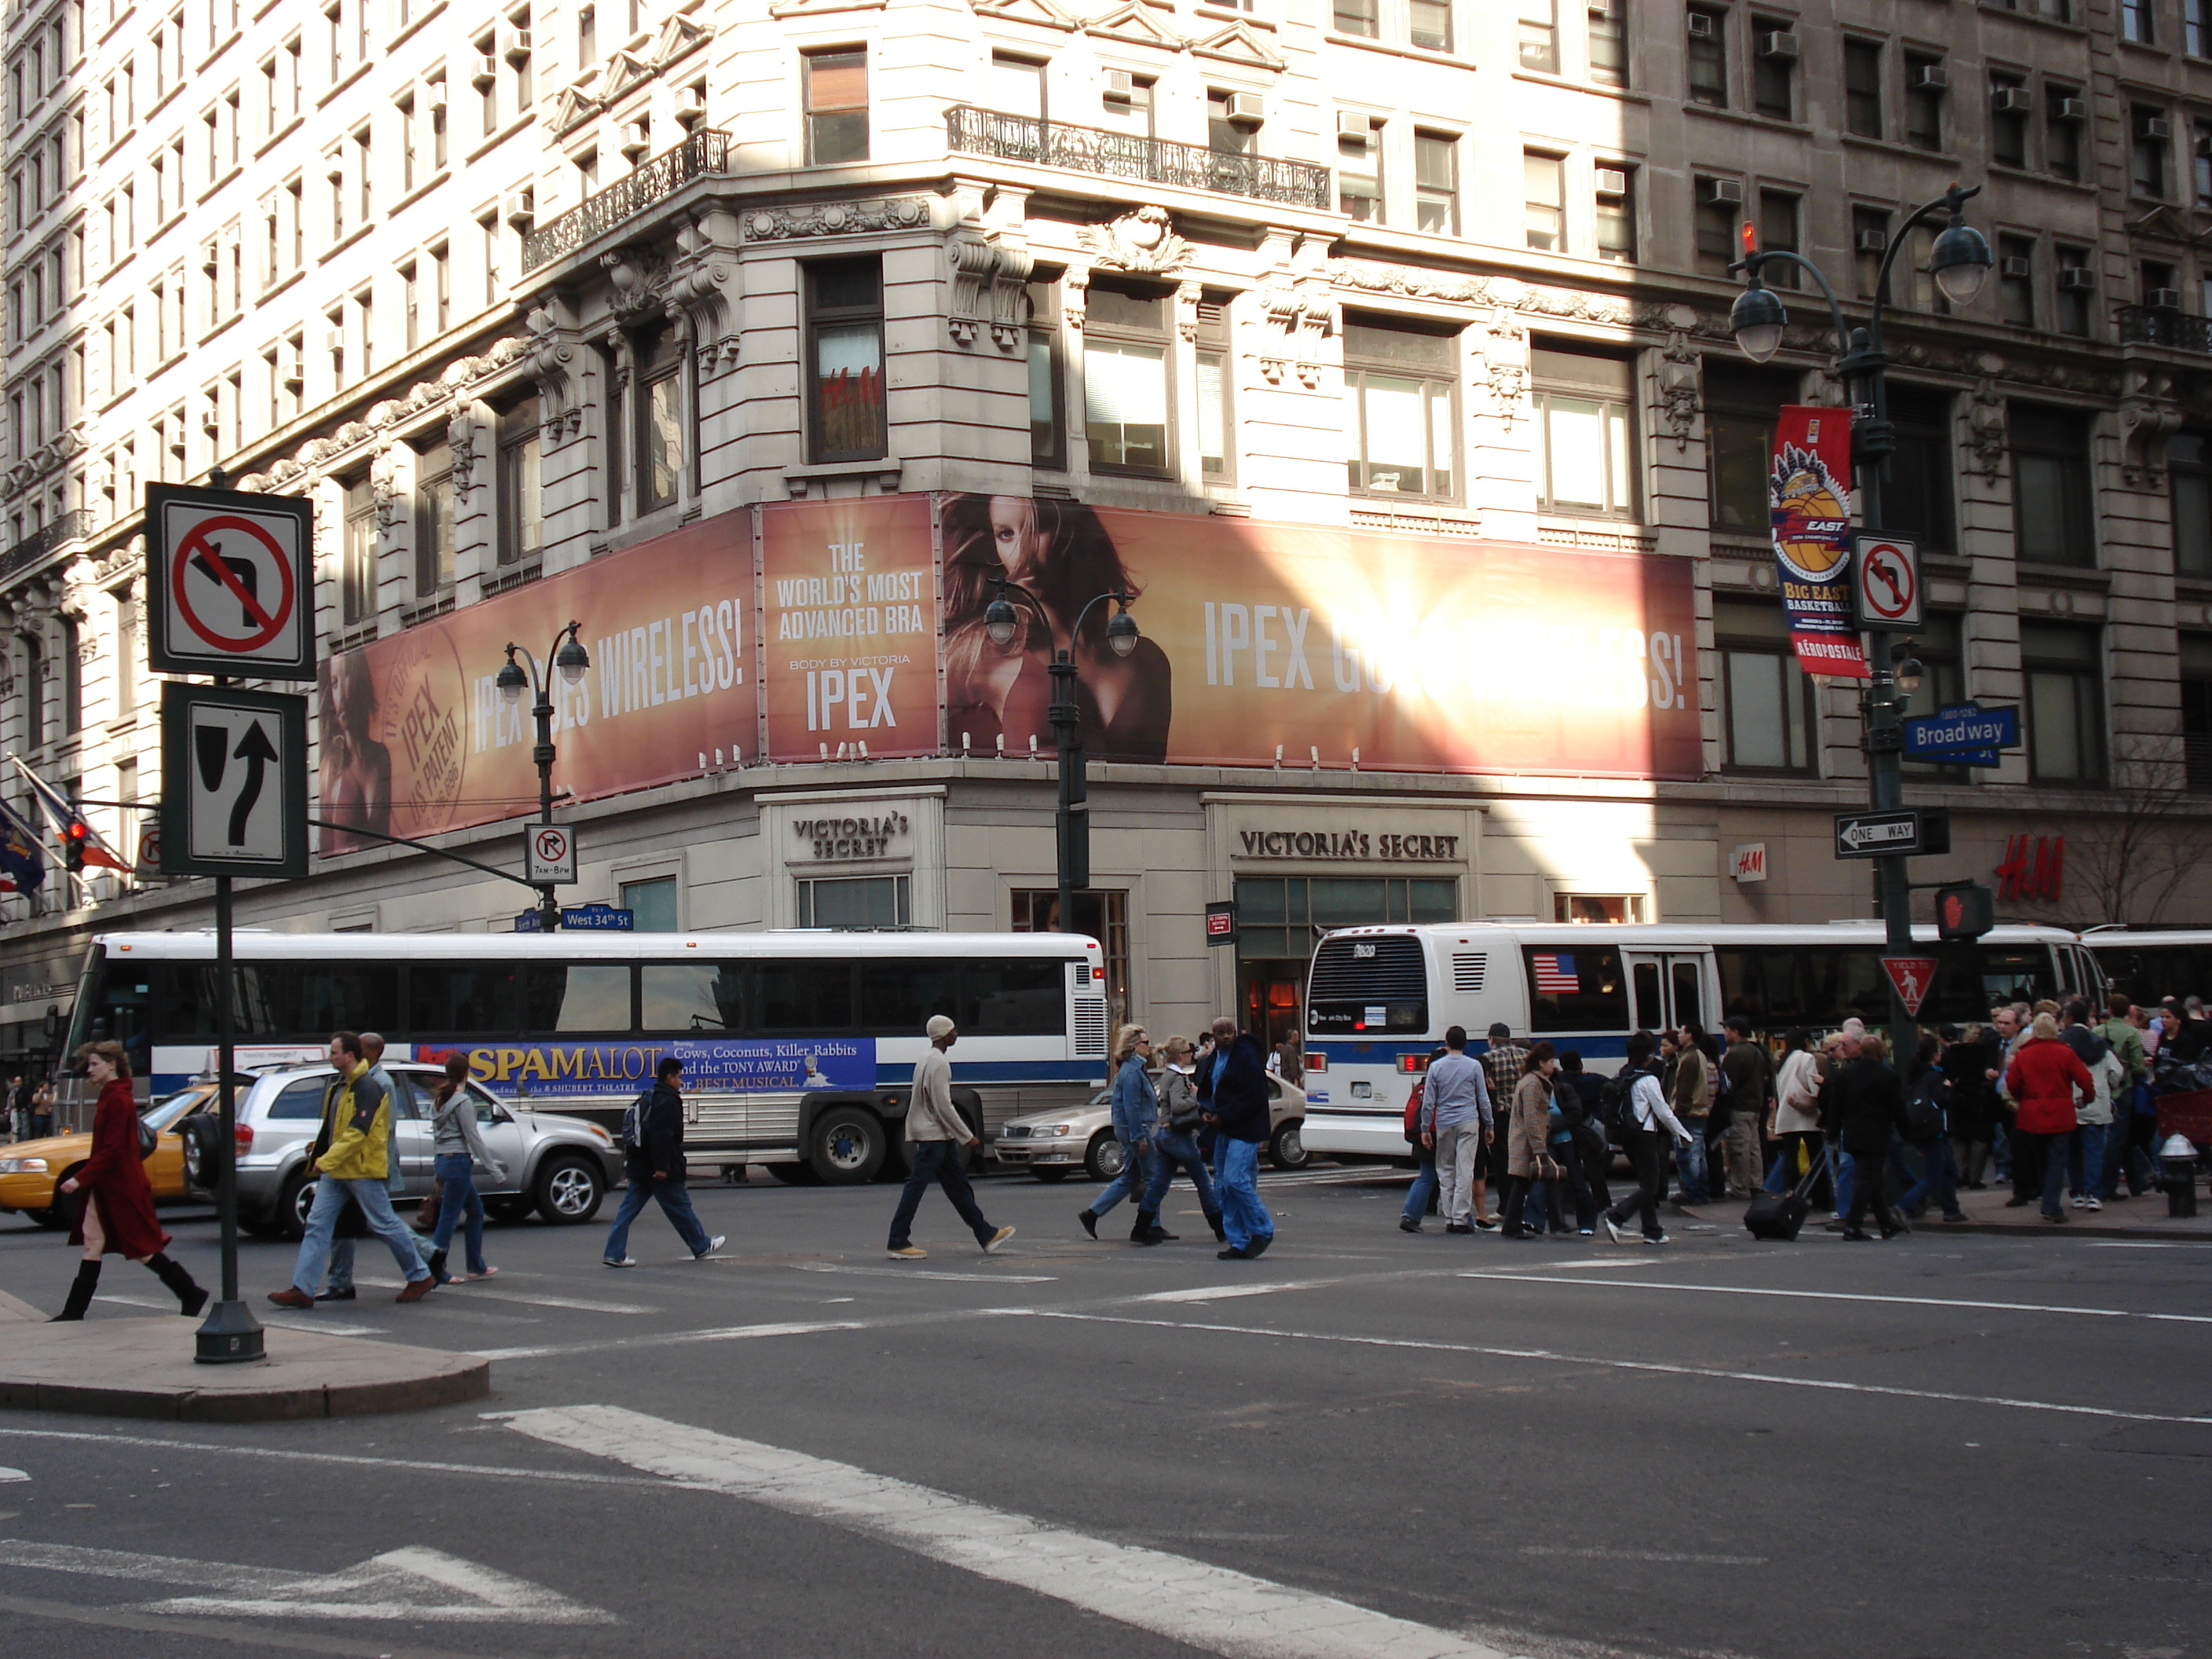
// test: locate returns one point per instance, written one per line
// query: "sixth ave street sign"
(1907, 830)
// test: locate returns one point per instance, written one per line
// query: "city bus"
(1379, 999)
(2148, 964)
(798, 1045)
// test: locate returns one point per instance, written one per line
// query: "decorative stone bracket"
(990, 278)
(697, 288)
(554, 339)
(2150, 413)
(1985, 425)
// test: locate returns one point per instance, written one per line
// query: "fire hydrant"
(2177, 1164)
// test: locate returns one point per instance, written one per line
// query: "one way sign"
(234, 782)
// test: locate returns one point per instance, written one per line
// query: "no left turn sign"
(232, 583)
(1886, 584)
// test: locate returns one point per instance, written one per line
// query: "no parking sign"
(232, 583)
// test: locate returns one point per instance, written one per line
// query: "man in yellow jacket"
(358, 1115)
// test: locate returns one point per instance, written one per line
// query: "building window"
(1708, 56)
(2008, 119)
(2051, 508)
(2201, 161)
(1436, 183)
(1125, 383)
(2016, 280)
(1130, 109)
(1585, 432)
(1740, 408)
(2062, 130)
(1609, 42)
(1539, 36)
(1048, 381)
(1595, 908)
(1870, 241)
(1939, 643)
(2137, 23)
(658, 438)
(2189, 466)
(72, 677)
(1916, 500)
(1778, 234)
(1431, 24)
(2197, 712)
(1544, 201)
(2077, 286)
(1774, 68)
(2146, 153)
(845, 354)
(1714, 226)
(1216, 416)
(1102, 913)
(1766, 700)
(521, 500)
(2158, 292)
(1923, 101)
(1400, 421)
(1225, 135)
(1360, 17)
(35, 689)
(652, 904)
(1614, 210)
(836, 107)
(357, 567)
(1359, 170)
(1018, 86)
(1279, 917)
(434, 520)
(856, 901)
(2063, 668)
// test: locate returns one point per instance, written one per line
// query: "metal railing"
(703, 154)
(69, 527)
(975, 131)
(2162, 325)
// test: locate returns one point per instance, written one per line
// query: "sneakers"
(2079, 1202)
(713, 1245)
(292, 1297)
(1658, 1238)
(991, 1246)
(1407, 1224)
(908, 1253)
(1612, 1229)
(1585, 1232)
(1956, 1216)
(2092, 1202)
(345, 1295)
(617, 1262)
(417, 1289)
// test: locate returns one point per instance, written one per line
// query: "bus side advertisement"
(581, 1071)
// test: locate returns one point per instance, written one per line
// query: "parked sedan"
(1053, 1145)
(32, 1171)
(559, 1166)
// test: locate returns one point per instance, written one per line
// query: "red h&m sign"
(2034, 867)
(1809, 500)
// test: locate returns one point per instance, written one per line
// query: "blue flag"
(22, 866)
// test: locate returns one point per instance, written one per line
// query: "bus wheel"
(1287, 1150)
(847, 1145)
(1104, 1158)
(569, 1191)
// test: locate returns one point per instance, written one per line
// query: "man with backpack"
(653, 1159)
(1639, 1108)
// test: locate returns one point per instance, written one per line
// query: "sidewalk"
(2143, 1217)
(144, 1368)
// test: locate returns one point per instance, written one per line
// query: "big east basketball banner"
(1808, 499)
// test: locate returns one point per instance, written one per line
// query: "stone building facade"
(509, 289)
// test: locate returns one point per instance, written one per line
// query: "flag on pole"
(79, 839)
(22, 866)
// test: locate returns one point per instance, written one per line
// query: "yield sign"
(1912, 976)
(232, 588)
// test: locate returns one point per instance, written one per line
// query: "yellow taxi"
(32, 1171)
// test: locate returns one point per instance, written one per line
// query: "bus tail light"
(1414, 1064)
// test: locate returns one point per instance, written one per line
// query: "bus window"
(898, 997)
(566, 998)
(472, 998)
(1579, 990)
(804, 999)
(1019, 996)
(1651, 1010)
(302, 1099)
(273, 999)
(1689, 989)
(116, 1003)
(691, 996)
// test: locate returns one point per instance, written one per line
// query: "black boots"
(1213, 1220)
(190, 1298)
(1090, 1222)
(1148, 1229)
(436, 1264)
(79, 1293)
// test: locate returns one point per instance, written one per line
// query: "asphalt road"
(1365, 1444)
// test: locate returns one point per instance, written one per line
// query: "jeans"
(1571, 1157)
(1456, 1146)
(331, 1196)
(674, 1202)
(1843, 1178)
(1651, 1174)
(1170, 1153)
(341, 1273)
(1689, 1163)
(1136, 1177)
(1423, 1189)
(2085, 1161)
(1243, 1217)
(938, 1161)
(1939, 1179)
(457, 1188)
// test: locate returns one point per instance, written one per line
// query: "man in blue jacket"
(653, 1159)
(1232, 1086)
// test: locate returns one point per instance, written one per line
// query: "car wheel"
(1103, 1158)
(508, 1209)
(1051, 1175)
(1287, 1150)
(569, 1190)
(257, 1226)
(294, 1200)
(847, 1145)
(795, 1174)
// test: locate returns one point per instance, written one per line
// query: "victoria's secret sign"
(867, 837)
(1346, 844)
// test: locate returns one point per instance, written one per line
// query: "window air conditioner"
(2011, 100)
(1729, 190)
(518, 49)
(1120, 86)
(1779, 43)
(1613, 181)
(2163, 299)
(334, 339)
(2154, 126)
(690, 111)
(1353, 127)
(1931, 77)
(487, 74)
(637, 140)
(2070, 109)
(519, 208)
(2015, 267)
(2077, 279)
(1701, 26)
(1246, 106)
(1874, 241)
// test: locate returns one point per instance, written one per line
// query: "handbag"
(1548, 1168)
(426, 1212)
(147, 1140)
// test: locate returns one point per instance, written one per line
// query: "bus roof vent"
(1387, 968)
(1467, 970)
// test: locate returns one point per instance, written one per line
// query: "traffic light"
(76, 835)
(1965, 909)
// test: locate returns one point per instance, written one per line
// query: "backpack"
(633, 1123)
(1613, 1107)
(1413, 1113)
(1924, 1109)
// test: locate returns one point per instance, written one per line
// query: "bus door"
(1667, 988)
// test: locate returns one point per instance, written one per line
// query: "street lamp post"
(1959, 262)
(567, 655)
(1071, 822)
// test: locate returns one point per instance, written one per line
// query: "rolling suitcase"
(1779, 1215)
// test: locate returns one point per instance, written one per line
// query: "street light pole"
(1072, 822)
(566, 653)
(1959, 262)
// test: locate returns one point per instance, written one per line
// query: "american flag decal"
(1555, 973)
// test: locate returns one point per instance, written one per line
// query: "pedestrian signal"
(1965, 909)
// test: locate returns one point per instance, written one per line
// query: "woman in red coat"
(118, 1211)
(2043, 1077)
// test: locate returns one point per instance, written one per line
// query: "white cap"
(939, 1025)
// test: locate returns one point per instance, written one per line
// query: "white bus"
(798, 1047)
(2148, 964)
(1379, 999)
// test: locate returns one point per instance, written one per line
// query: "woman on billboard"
(1060, 554)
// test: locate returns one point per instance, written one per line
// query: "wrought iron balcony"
(69, 527)
(705, 154)
(1130, 155)
(2162, 325)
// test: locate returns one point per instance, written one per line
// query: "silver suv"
(560, 1166)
